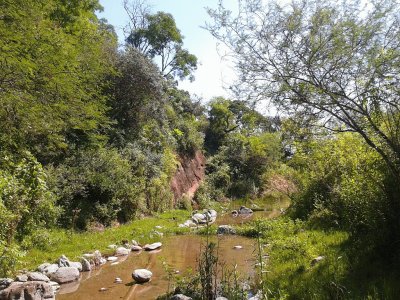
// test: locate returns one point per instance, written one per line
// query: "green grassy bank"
(54, 243)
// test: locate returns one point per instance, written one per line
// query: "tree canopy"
(337, 63)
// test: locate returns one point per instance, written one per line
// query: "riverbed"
(179, 254)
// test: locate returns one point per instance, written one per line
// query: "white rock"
(55, 286)
(317, 260)
(21, 278)
(37, 276)
(142, 275)
(136, 248)
(51, 269)
(114, 263)
(76, 264)
(42, 267)
(134, 243)
(112, 246)
(153, 246)
(118, 280)
(65, 274)
(180, 297)
(238, 247)
(121, 251)
(112, 258)
(158, 227)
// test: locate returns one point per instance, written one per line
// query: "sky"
(214, 74)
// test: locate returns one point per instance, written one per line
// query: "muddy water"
(179, 252)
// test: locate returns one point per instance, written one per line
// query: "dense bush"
(343, 185)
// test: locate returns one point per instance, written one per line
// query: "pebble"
(118, 280)
(103, 289)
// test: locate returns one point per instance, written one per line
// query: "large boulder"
(142, 275)
(65, 274)
(30, 290)
(121, 251)
(50, 269)
(37, 276)
(154, 246)
(226, 229)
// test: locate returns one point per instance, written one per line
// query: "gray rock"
(55, 286)
(121, 251)
(37, 276)
(243, 210)
(63, 261)
(199, 218)
(42, 267)
(51, 269)
(153, 246)
(180, 297)
(102, 261)
(134, 243)
(136, 248)
(76, 264)
(5, 282)
(30, 290)
(98, 259)
(65, 274)
(22, 278)
(141, 275)
(226, 229)
(213, 213)
(86, 267)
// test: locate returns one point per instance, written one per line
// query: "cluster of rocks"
(43, 283)
(243, 210)
(206, 217)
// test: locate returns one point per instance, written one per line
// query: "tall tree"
(336, 62)
(157, 36)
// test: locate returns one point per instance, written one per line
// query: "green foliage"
(54, 58)
(94, 186)
(343, 182)
(158, 36)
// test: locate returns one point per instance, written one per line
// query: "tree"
(156, 36)
(338, 63)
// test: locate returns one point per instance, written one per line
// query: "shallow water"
(178, 252)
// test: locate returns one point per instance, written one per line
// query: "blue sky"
(213, 73)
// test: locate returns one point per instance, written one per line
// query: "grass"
(56, 242)
(288, 250)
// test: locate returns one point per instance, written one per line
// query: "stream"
(179, 252)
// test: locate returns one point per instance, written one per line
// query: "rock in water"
(37, 276)
(65, 274)
(226, 229)
(112, 258)
(86, 267)
(76, 264)
(121, 251)
(136, 248)
(32, 290)
(142, 275)
(153, 246)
